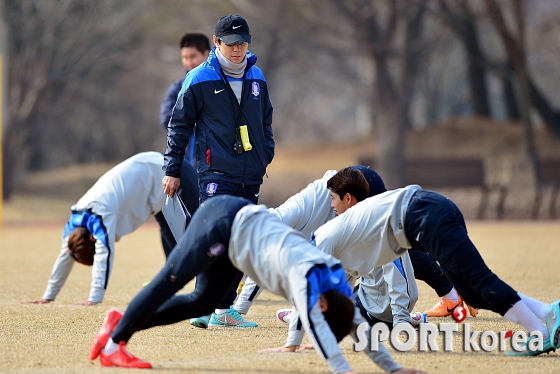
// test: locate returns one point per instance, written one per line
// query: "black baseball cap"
(376, 185)
(232, 28)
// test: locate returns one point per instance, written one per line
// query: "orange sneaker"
(107, 327)
(123, 359)
(443, 308)
(472, 310)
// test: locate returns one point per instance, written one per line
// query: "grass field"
(55, 338)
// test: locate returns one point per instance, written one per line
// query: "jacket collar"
(213, 60)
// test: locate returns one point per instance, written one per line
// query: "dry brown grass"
(55, 338)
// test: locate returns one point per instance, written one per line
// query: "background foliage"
(85, 79)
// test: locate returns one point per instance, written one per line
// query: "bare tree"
(392, 35)
(514, 43)
(462, 21)
(514, 46)
(54, 45)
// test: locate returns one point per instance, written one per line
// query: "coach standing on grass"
(226, 97)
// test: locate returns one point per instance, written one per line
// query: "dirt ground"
(55, 338)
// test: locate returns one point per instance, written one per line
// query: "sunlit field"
(55, 338)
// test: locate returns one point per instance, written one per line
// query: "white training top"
(370, 234)
(124, 198)
(309, 209)
(278, 258)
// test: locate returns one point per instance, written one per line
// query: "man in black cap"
(226, 97)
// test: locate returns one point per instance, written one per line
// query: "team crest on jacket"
(216, 250)
(211, 188)
(255, 89)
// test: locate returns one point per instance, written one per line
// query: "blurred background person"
(195, 48)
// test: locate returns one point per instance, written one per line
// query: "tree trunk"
(509, 98)
(461, 22)
(545, 109)
(477, 70)
(390, 121)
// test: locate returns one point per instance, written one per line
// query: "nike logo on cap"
(217, 92)
(235, 27)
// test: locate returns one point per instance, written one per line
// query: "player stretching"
(388, 293)
(383, 227)
(117, 204)
(229, 236)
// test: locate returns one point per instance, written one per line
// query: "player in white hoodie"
(382, 228)
(229, 236)
(388, 293)
(117, 204)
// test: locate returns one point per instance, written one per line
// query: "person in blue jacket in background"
(195, 48)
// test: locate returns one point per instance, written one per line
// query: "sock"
(452, 295)
(521, 314)
(220, 311)
(110, 347)
(539, 308)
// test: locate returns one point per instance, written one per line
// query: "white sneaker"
(284, 315)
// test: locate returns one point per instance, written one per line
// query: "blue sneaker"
(525, 351)
(231, 318)
(553, 323)
(201, 322)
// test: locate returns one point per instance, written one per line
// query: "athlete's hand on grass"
(305, 347)
(291, 348)
(170, 185)
(38, 301)
(86, 303)
(409, 371)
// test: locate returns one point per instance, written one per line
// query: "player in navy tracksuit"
(223, 96)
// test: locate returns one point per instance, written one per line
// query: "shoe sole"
(555, 332)
(105, 362)
(210, 325)
(200, 325)
(101, 339)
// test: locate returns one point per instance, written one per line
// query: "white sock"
(539, 308)
(452, 295)
(521, 314)
(110, 347)
(220, 311)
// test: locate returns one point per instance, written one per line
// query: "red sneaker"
(107, 327)
(123, 359)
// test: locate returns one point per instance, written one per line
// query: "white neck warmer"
(231, 68)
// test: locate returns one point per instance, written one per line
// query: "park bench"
(548, 175)
(435, 173)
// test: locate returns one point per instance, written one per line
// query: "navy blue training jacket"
(206, 100)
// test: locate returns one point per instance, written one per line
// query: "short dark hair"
(80, 247)
(349, 180)
(199, 41)
(339, 314)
